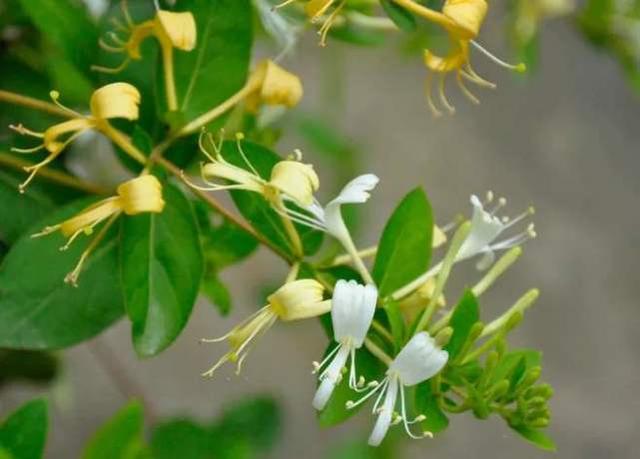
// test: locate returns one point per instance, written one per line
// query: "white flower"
(419, 360)
(352, 309)
(486, 226)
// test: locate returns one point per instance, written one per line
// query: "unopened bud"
(499, 390)
(443, 336)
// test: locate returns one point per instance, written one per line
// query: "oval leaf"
(161, 265)
(464, 316)
(37, 309)
(24, 433)
(400, 16)
(119, 437)
(405, 247)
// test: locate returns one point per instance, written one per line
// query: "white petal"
(330, 378)
(357, 190)
(419, 360)
(352, 309)
(485, 228)
(386, 413)
(486, 260)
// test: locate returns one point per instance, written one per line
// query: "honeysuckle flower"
(296, 300)
(290, 180)
(115, 100)
(352, 309)
(316, 10)
(173, 30)
(486, 227)
(139, 195)
(419, 360)
(270, 84)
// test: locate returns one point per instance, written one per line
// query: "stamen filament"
(521, 67)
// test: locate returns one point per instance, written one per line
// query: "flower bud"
(443, 336)
(275, 86)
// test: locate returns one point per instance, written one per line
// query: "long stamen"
(529, 233)
(27, 150)
(305, 219)
(465, 90)
(55, 95)
(500, 204)
(20, 129)
(379, 386)
(324, 30)
(239, 138)
(428, 84)
(407, 423)
(109, 48)
(116, 39)
(288, 213)
(521, 67)
(225, 358)
(443, 97)
(473, 76)
(125, 12)
(99, 68)
(318, 366)
(374, 410)
(118, 24)
(280, 5)
(233, 330)
(522, 216)
(202, 147)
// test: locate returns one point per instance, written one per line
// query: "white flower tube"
(419, 360)
(352, 309)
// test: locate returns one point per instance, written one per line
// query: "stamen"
(501, 203)
(473, 76)
(326, 26)
(116, 39)
(530, 211)
(520, 68)
(452, 224)
(351, 404)
(298, 218)
(110, 49)
(27, 150)
(55, 95)
(443, 97)
(118, 24)
(99, 68)
(428, 83)
(329, 356)
(125, 12)
(404, 418)
(239, 139)
(209, 373)
(20, 129)
(203, 149)
(488, 198)
(280, 5)
(469, 95)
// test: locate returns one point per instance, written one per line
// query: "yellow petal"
(456, 58)
(52, 141)
(315, 8)
(237, 175)
(142, 194)
(299, 299)
(468, 16)
(275, 86)
(178, 28)
(297, 180)
(115, 100)
(90, 216)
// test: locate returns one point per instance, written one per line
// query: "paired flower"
(486, 226)
(115, 100)
(419, 360)
(300, 299)
(171, 29)
(352, 309)
(139, 195)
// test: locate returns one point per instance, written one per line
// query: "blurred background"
(564, 139)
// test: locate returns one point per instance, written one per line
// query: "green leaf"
(336, 412)
(255, 208)
(536, 437)
(181, 438)
(161, 265)
(24, 433)
(216, 291)
(37, 309)
(426, 403)
(400, 16)
(120, 437)
(465, 315)
(404, 250)
(217, 67)
(27, 366)
(396, 323)
(66, 24)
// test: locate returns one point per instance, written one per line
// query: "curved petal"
(353, 306)
(419, 360)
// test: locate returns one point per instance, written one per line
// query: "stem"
(53, 175)
(346, 258)
(204, 119)
(449, 259)
(377, 326)
(477, 352)
(497, 270)
(30, 102)
(169, 80)
(293, 272)
(523, 303)
(350, 247)
(213, 203)
(122, 141)
(375, 350)
(426, 13)
(291, 230)
(127, 386)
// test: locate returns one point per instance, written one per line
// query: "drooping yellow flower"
(115, 100)
(272, 85)
(136, 196)
(173, 30)
(300, 299)
(462, 20)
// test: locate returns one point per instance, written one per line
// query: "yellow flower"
(115, 100)
(136, 196)
(290, 180)
(272, 85)
(300, 299)
(316, 10)
(171, 29)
